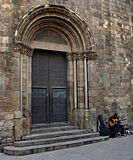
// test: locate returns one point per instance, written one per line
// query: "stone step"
(18, 151)
(52, 129)
(47, 125)
(54, 139)
(54, 134)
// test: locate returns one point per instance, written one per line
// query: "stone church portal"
(55, 51)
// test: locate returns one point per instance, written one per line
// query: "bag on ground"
(102, 129)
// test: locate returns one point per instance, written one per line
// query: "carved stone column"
(80, 80)
(18, 114)
(85, 81)
(75, 103)
(26, 89)
(86, 113)
(22, 116)
(21, 80)
(80, 90)
(75, 80)
(81, 114)
(70, 84)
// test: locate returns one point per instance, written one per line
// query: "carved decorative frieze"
(89, 55)
(92, 55)
(23, 49)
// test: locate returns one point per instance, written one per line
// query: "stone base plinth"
(85, 119)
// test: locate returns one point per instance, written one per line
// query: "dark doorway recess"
(49, 93)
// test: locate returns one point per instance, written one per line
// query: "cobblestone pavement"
(114, 149)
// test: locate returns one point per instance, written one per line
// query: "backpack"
(102, 129)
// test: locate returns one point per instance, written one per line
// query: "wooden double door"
(49, 95)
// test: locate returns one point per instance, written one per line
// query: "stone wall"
(130, 67)
(110, 77)
(110, 86)
(9, 87)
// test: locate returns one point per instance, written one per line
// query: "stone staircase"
(48, 138)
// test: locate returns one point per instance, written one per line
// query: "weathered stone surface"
(37, 142)
(110, 74)
(18, 114)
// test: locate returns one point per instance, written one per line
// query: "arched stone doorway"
(58, 29)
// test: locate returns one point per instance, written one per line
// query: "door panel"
(59, 105)
(39, 99)
(40, 69)
(57, 69)
(48, 87)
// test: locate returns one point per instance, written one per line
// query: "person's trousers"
(119, 127)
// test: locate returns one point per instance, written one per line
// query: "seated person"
(115, 123)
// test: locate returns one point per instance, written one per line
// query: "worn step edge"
(52, 129)
(19, 151)
(49, 125)
(54, 139)
(53, 134)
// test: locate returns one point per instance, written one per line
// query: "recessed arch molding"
(80, 48)
(63, 20)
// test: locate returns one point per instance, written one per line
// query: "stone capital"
(75, 56)
(23, 49)
(92, 55)
(80, 56)
(89, 55)
(69, 56)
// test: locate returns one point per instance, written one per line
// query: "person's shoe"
(118, 135)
